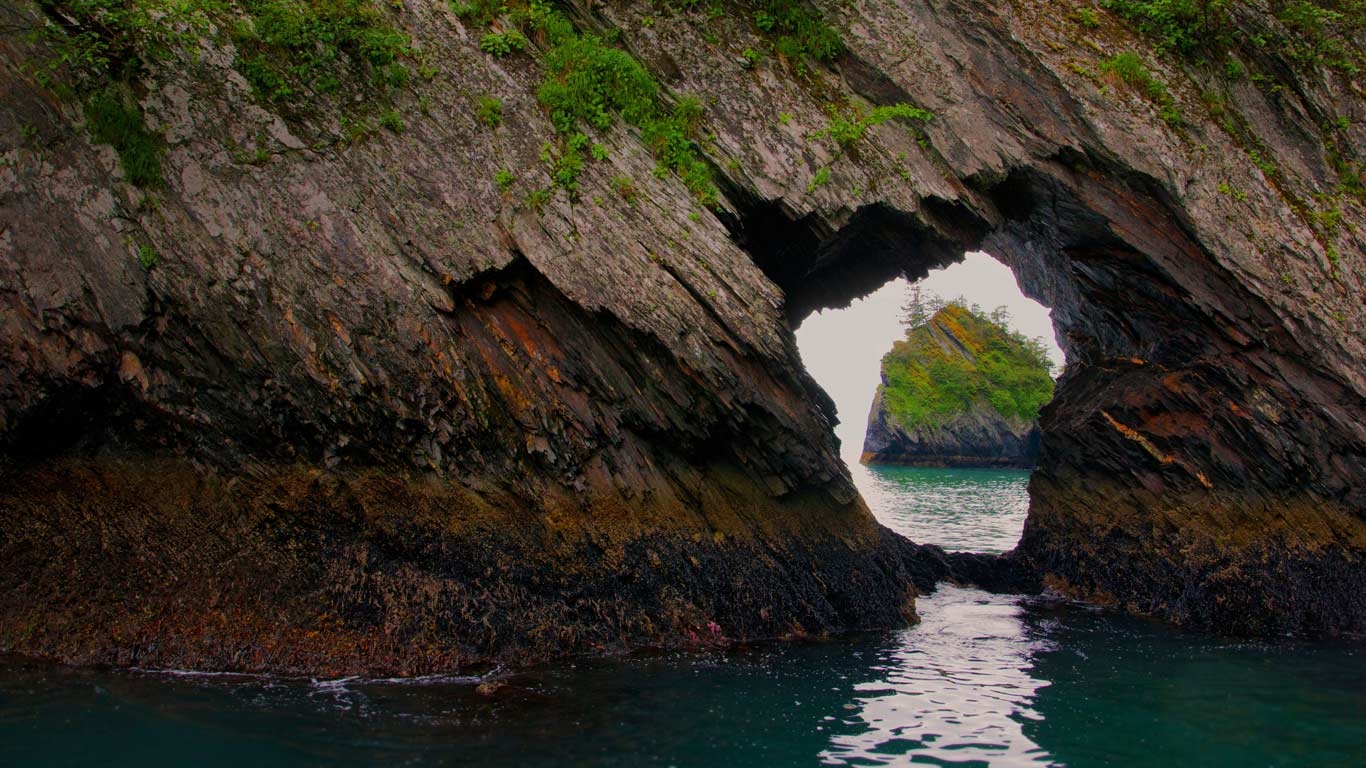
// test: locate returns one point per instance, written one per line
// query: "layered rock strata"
(367, 411)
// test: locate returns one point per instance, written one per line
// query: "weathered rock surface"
(368, 413)
(969, 432)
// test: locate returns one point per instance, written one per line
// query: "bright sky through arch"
(843, 349)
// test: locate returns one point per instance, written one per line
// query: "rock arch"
(367, 411)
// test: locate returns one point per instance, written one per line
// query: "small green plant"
(1087, 17)
(147, 256)
(114, 118)
(489, 111)
(537, 199)
(566, 162)
(847, 127)
(1267, 167)
(624, 187)
(356, 129)
(503, 44)
(1129, 68)
(751, 57)
(392, 120)
(478, 11)
(599, 152)
(821, 178)
(1237, 194)
(504, 179)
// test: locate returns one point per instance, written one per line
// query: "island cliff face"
(978, 437)
(337, 398)
(959, 391)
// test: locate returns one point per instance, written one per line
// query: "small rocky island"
(961, 390)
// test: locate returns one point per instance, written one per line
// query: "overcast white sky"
(843, 348)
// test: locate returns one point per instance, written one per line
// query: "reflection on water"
(958, 687)
(979, 510)
(983, 680)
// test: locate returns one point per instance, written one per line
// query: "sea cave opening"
(974, 501)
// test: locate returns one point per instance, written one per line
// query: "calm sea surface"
(983, 680)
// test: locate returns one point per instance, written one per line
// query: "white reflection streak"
(954, 690)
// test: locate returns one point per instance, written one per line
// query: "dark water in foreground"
(983, 680)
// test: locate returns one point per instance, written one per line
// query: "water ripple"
(955, 689)
(980, 510)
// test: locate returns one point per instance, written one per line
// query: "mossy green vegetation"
(962, 358)
(1129, 67)
(286, 49)
(848, 126)
(285, 46)
(796, 31)
(113, 117)
(1307, 33)
(588, 84)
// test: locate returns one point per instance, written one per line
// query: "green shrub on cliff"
(1129, 67)
(284, 47)
(847, 127)
(587, 81)
(959, 359)
(114, 118)
(797, 31)
(1307, 33)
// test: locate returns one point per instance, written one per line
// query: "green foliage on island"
(959, 359)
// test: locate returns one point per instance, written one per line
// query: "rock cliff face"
(937, 405)
(978, 437)
(369, 410)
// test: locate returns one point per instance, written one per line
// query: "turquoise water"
(983, 680)
(975, 510)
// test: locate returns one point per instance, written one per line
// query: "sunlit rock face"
(368, 411)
